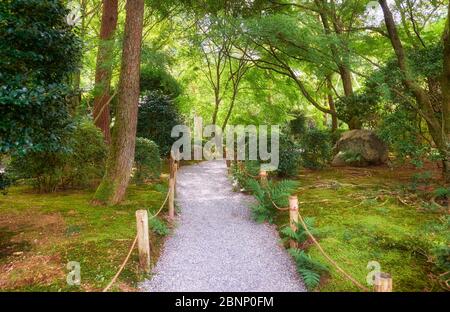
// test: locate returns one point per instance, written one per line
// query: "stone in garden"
(360, 148)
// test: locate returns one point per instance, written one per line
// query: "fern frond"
(310, 278)
(287, 231)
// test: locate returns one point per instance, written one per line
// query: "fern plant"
(310, 270)
(300, 236)
(240, 176)
(277, 193)
(158, 226)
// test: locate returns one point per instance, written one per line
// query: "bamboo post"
(143, 240)
(383, 282)
(171, 188)
(293, 218)
(263, 178)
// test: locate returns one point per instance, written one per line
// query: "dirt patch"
(30, 270)
(20, 232)
(32, 221)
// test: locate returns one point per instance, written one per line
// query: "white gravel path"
(216, 246)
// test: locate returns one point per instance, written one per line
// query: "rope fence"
(142, 236)
(382, 282)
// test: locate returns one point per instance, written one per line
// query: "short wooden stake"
(172, 188)
(383, 282)
(263, 178)
(227, 161)
(143, 240)
(293, 218)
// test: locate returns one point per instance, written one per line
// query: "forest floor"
(362, 214)
(41, 233)
(374, 214)
(216, 246)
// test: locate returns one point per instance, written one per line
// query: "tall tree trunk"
(445, 85)
(103, 69)
(120, 160)
(217, 101)
(230, 109)
(334, 120)
(438, 127)
(76, 98)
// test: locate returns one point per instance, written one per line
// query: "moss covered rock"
(360, 148)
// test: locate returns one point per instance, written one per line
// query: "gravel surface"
(216, 246)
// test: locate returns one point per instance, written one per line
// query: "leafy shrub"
(358, 109)
(399, 129)
(298, 125)
(156, 118)
(147, 160)
(158, 79)
(80, 162)
(38, 52)
(317, 148)
(289, 156)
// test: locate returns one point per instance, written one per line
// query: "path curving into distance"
(216, 246)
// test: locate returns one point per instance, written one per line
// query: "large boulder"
(360, 148)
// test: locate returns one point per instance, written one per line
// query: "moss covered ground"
(41, 233)
(362, 215)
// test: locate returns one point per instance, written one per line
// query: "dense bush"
(401, 131)
(158, 79)
(147, 160)
(317, 148)
(156, 118)
(289, 156)
(38, 52)
(77, 165)
(359, 109)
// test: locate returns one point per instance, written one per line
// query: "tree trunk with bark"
(331, 104)
(445, 86)
(121, 156)
(103, 69)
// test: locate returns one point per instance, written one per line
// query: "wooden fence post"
(293, 218)
(263, 178)
(228, 162)
(143, 240)
(383, 282)
(171, 188)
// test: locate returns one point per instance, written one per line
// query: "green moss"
(104, 191)
(97, 237)
(355, 227)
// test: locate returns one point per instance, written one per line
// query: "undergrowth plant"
(158, 226)
(278, 193)
(310, 269)
(244, 172)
